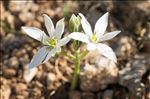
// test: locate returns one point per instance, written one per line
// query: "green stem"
(76, 70)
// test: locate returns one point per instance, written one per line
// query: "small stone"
(9, 37)
(99, 95)
(48, 66)
(13, 80)
(40, 75)
(146, 47)
(139, 91)
(19, 87)
(25, 17)
(88, 95)
(20, 97)
(37, 92)
(51, 78)
(23, 93)
(124, 47)
(3, 81)
(10, 19)
(36, 24)
(108, 94)
(131, 75)
(13, 62)
(28, 48)
(75, 95)
(38, 84)
(5, 92)
(148, 88)
(148, 95)
(39, 18)
(9, 72)
(24, 59)
(97, 73)
(34, 8)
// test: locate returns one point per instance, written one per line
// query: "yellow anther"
(94, 38)
(53, 42)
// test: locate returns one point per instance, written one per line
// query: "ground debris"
(97, 75)
(132, 74)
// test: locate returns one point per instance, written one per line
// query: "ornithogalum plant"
(54, 42)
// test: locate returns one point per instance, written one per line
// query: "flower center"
(94, 38)
(53, 42)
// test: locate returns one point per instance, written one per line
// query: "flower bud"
(74, 23)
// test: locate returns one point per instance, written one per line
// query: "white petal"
(101, 25)
(59, 28)
(85, 25)
(39, 57)
(49, 25)
(79, 36)
(107, 52)
(29, 74)
(91, 46)
(63, 41)
(58, 50)
(109, 35)
(35, 33)
(51, 53)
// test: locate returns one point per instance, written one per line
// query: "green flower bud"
(74, 23)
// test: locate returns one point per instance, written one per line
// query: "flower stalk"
(76, 70)
(75, 23)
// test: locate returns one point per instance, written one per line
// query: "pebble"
(9, 73)
(125, 47)
(50, 78)
(3, 81)
(13, 62)
(40, 75)
(146, 47)
(37, 92)
(48, 66)
(19, 97)
(24, 93)
(75, 95)
(38, 84)
(5, 92)
(148, 88)
(97, 73)
(19, 87)
(88, 95)
(99, 95)
(108, 94)
(131, 75)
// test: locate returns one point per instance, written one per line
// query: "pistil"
(53, 42)
(94, 38)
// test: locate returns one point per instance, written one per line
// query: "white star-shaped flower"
(93, 39)
(52, 43)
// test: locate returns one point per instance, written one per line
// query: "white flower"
(93, 39)
(52, 43)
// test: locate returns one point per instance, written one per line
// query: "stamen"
(94, 38)
(53, 42)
